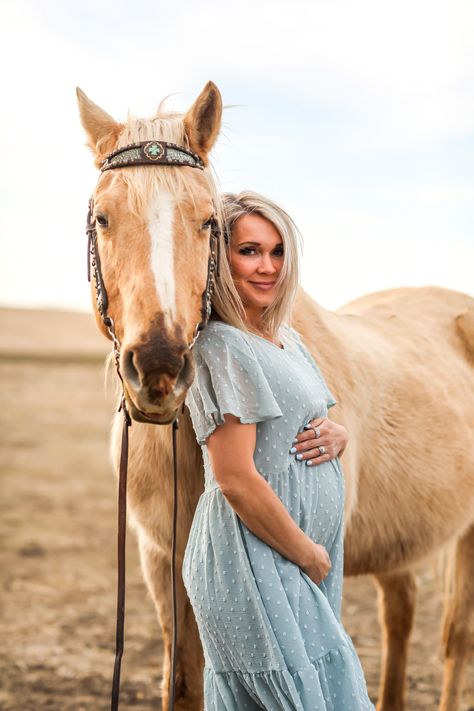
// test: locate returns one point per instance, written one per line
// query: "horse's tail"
(465, 330)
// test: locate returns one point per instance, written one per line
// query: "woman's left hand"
(333, 438)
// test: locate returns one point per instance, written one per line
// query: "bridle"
(151, 153)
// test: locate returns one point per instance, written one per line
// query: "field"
(58, 533)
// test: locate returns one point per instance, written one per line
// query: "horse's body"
(400, 364)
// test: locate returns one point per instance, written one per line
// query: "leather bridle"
(151, 153)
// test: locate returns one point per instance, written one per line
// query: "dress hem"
(328, 683)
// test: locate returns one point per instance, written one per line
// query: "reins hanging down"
(153, 153)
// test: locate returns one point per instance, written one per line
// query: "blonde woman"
(263, 563)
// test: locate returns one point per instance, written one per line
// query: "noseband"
(152, 153)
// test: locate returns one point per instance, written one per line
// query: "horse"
(400, 363)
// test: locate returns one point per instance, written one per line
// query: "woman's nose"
(266, 264)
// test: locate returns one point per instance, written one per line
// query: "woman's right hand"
(318, 564)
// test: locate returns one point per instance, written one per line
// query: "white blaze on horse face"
(160, 226)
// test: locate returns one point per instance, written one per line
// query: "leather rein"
(151, 153)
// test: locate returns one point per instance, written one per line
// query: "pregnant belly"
(314, 497)
(326, 518)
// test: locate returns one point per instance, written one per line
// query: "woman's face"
(256, 258)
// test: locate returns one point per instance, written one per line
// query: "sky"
(356, 117)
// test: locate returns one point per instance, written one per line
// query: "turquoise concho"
(153, 150)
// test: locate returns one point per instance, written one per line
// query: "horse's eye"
(208, 224)
(102, 220)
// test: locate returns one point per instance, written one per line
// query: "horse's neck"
(327, 336)
(150, 482)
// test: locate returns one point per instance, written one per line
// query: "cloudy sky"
(357, 117)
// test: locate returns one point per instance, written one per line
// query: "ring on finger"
(322, 450)
(317, 432)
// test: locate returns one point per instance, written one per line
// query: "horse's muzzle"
(156, 382)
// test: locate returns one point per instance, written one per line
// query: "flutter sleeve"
(330, 399)
(228, 379)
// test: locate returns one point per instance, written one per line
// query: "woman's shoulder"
(291, 335)
(222, 334)
(216, 325)
(221, 330)
(291, 331)
(296, 338)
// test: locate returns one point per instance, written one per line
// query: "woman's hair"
(226, 302)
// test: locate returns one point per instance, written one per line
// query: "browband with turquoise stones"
(151, 153)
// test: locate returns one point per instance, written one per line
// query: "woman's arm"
(231, 448)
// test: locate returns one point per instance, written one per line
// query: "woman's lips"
(264, 286)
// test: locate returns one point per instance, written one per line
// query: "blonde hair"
(226, 302)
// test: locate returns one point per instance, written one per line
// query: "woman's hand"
(333, 438)
(318, 563)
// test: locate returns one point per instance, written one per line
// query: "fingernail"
(309, 462)
(295, 440)
(292, 450)
(307, 426)
(299, 456)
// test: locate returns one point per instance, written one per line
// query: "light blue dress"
(272, 638)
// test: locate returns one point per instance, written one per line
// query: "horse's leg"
(458, 634)
(397, 595)
(190, 661)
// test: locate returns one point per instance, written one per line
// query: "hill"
(50, 334)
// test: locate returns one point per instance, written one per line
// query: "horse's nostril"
(129, 369)
(186, 368)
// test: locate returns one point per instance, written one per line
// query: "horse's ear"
(101, 129)
(203, 120)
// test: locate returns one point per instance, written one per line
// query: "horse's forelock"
(143, 183)
(165, 126)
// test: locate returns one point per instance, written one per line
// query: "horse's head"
(153, 229)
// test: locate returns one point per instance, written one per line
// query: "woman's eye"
(249, 250)
(102, 220)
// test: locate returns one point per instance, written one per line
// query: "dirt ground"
(58, 534)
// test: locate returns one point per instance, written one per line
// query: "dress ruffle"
(228, 380)
(331, 683)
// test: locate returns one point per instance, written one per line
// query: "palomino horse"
(399, 362)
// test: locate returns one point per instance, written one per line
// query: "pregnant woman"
(264, 560)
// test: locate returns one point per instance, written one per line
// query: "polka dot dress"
(272, 638)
